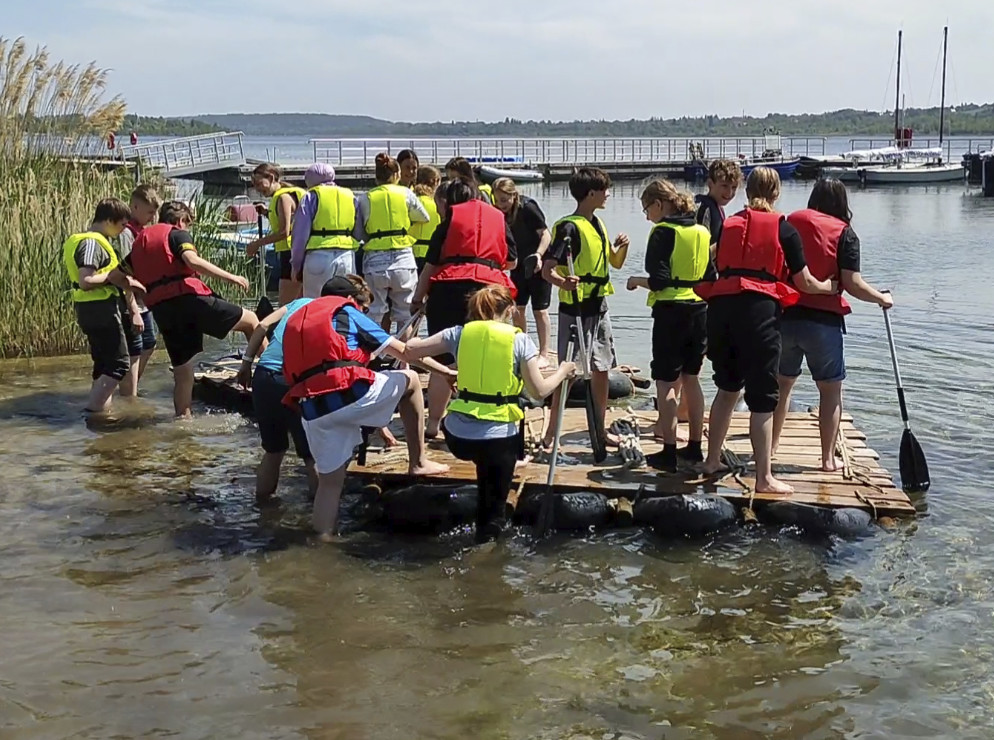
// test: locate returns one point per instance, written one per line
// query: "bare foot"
(712, 468)
(522, 463)
(831, 466)
(428, 467)
(388, 439)
(772, 485)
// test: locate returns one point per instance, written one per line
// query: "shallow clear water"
(144, 594)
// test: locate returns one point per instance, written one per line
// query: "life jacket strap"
(463, 260)
(677, 283)
(747, 273)
(164, 281)
(331, 232)
(323, 367)
(597, 280)
(422, 242)
(497, 399)
(384, 234)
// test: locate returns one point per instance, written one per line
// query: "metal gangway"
(189, 155)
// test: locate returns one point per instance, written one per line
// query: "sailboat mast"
(942, 105)
(897, 96)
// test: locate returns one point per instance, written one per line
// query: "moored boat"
(489, 173)
(910, 174)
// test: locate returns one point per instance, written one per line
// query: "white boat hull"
(911, 174)
(845, 174)
(490, 174)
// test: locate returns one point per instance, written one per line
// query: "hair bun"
(383, 158)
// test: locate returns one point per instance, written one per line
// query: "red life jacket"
(134, 227)
(316, 358)
(820, 235)
(475, 246)
(750, 258)
(163, 274)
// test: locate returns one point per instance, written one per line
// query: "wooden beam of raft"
(798, 462)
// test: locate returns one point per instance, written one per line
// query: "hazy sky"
(487, 59)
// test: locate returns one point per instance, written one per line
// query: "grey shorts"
(597, 329)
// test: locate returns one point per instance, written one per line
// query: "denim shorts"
(138, 343)
(820, 344)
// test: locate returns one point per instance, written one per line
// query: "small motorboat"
(489, 173)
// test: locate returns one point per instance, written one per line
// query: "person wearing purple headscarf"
(316, 258)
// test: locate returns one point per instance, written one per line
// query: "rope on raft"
(848, 473)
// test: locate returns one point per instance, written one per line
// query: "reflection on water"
(144, 593)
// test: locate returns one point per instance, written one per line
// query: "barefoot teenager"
(760, 260)
(496, 362)
(813, 329)
(327, 345)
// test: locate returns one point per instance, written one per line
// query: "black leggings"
(495, 459)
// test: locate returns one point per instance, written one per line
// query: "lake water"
(144, 594)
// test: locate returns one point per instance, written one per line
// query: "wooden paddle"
(597, 441)
(911, 458)
(546, 512)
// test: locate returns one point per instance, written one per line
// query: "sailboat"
(913, 166)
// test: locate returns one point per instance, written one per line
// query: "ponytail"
(762, 189)
(386, 168)
(489, 303)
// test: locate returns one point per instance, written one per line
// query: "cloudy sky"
(487, 59)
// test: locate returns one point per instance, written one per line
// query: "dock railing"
(952, 148)
(188, 155)
(358, 152)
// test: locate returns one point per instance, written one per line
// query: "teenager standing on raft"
(326, 347)
(323, 246)
(469, 250)
(97, 287)
(409, 165)
(167, 263)
(144, 207)
(496, 362)
(813, 329)
(383, 222)
(593, 257)
(283, 202)
(758, 253)
(427, 183)
(677, 258)
(532, 240)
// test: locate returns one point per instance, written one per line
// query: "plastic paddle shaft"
(545, 513)
(897, 369)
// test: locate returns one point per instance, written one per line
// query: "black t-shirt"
(557, 253)
(527, 227)
(847, 258)
(710, 215)
(434, 254)
(659, 252)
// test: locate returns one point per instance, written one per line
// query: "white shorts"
(398, 284)
(334, 437)
(321, 265)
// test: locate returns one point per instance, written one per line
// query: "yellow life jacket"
(274, 214)
(422, 232)
(334, 219)
(688, 263)
(102, 292)
(488, 387)
(389, 221)
(591, 264)
(488, 192)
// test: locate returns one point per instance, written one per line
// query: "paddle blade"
(597, 442)
(914, 468)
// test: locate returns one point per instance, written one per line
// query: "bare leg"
(666, 401)
(718, 423)
(600, 386)
(247, 324)
(783, 405)
(550, 429)
(412, 414)
(682, 413)
(326, 500)
(146, 356)
(829, 419)
(543, 326)
(183, 389)
(692, 396)
(128, 386)
(312, 476)
(761, 436)
(439, 394)
(267, 477)
(101, 392)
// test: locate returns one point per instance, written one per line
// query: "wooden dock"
(863, 485)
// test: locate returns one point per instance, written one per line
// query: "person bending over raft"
(593, 258)
(283, 202)
(459, 168)
(532, 240)
(144, 207)
(425, 187)
(469, 250)
(98, 284)
(409, 166)
(813, 329)
(484, 422)
(384, 222)
(759, 255)
(184, 308)
(323, 246)
(326, 347)
(677, 258)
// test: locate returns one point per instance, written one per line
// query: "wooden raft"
(798, 461)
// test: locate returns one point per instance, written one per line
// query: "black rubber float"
(686, 515)
(847, 522)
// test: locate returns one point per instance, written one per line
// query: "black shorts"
(102, 323)
(679, 339)
(533, 288)
(446, 307)
(144, 342)
(744, 347)
(185, 319)
(286, 270)
(277, 423)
